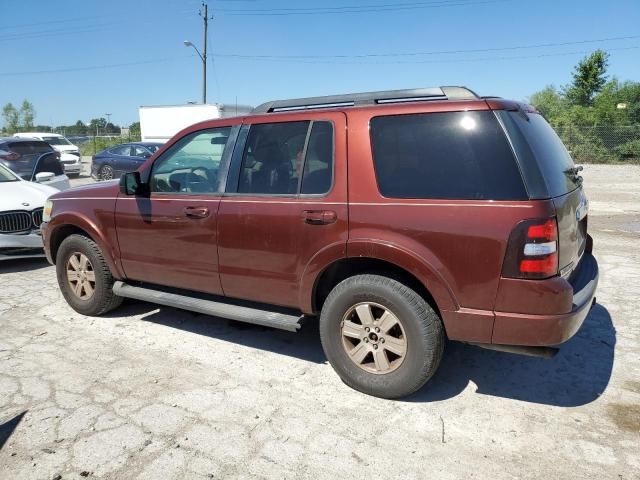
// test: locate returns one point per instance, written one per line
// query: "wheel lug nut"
(366, 340)
(377, 329)
(375, 347)
(382, 340)
(366, 329)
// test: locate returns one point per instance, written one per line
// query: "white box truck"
(160, 123)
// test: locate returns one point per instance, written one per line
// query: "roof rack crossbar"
(368, 98)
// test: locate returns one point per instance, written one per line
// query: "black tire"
(421, 325)
(103, 299)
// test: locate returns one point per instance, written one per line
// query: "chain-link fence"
(602, 144)
(90, 145)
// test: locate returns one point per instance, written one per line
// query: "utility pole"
(205, 17)
(204, 13)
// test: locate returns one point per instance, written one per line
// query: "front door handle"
(196, 212)
(319, 217)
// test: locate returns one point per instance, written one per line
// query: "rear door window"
(538, 145)
(273, 158)
(318, 166)
(451, 155)
(124, 150)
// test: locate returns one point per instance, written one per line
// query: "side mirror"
(43, 177)
(130, 183)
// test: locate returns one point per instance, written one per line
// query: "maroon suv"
(397, 218)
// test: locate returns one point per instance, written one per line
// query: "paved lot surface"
(151, 392)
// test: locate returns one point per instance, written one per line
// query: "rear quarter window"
(541, 153)
(450, 155)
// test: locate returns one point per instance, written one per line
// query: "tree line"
(597, 117)
(22, 119)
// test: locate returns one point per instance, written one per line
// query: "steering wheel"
(201, 183)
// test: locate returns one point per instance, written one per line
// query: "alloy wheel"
(106, 173)
(81, 276)
(373, 338)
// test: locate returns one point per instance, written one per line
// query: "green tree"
(97, 123)
(11, 118)
(134, 129)
(589, 77)
(27, 115)
(549, 102)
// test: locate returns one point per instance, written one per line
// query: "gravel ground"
(151, 392)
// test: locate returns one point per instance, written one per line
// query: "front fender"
(100, 228)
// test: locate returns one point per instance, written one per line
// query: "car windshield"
(56, 140)
(7, 175)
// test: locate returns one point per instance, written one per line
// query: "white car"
(69, 153)
(21, 209)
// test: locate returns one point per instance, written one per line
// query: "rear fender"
(419, 266)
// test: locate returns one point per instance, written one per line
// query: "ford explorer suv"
(395, 219)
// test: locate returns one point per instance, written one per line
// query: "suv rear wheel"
(84, 277)
(380, 336)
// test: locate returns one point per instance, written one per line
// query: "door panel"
(161, 243)
(265, 241)
(169, 236)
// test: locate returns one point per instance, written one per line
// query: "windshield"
(56, 140)
(7, 175)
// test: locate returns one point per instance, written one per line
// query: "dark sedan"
(114, 161)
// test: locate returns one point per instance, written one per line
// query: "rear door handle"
(196, 212)
(319, 217)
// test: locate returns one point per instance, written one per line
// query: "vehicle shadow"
(577, 375)
(23, 264)
(8, 427)
(304, 345)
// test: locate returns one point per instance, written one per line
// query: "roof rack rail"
(368, 98)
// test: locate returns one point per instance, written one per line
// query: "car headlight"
(46, 213)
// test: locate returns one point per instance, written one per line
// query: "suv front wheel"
(84, 277)
(380, 336)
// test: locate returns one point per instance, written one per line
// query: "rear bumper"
(547, 330)
(72, 167)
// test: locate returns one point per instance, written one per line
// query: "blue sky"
(118, 55)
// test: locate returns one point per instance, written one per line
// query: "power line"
(440, 61)
(54, 33)
(355, 8)
(94, 67)
(314, 61)
(433, 52)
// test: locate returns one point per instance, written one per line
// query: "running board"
(256, 316)
(539, 352)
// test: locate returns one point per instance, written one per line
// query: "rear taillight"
(532, 251)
